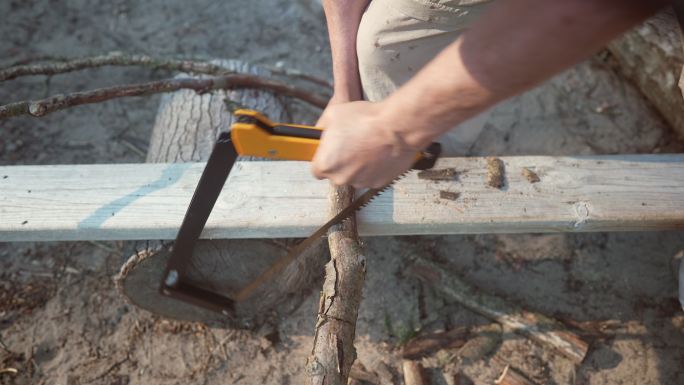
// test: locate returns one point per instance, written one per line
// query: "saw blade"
(224, 267)
(287, 259)
(137, 280)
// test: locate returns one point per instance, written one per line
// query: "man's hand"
(360, 148)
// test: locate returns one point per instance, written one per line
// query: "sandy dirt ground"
(62, 322)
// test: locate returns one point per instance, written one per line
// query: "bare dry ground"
(61, 321)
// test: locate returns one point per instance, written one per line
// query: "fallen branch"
(34, 59)
(62, 65)
(333, 349)
(59, 102)
(538, 327)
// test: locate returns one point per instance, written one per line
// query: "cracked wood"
(333, 351)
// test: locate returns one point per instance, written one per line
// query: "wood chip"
(495, 172)
(439, 174)
(449, 195)
(531, 176)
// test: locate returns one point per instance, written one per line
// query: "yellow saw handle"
(253, 134)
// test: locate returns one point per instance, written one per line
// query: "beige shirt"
(460, 12)
(453, 3)
(397, 38)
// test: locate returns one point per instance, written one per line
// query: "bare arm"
(516, 45)
(343, 18)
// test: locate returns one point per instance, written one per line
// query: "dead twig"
(133, 148)
(62, 65)
(538, 327)
(59, 102)
(33, 59)
(109, 370)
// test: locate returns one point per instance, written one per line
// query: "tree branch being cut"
(333, 349)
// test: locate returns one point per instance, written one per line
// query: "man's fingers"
(317, 172)
(334, 175)
(343, 176)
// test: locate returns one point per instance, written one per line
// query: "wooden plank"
(281, 199)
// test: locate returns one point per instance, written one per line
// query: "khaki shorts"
(397, 38)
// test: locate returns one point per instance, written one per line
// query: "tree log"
(538, 327)
(333, 350)
(651, 55)
(185, 130)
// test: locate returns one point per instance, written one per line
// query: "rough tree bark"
(333, 352)
(185, 130)
(651, 56)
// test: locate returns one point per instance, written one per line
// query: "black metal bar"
(200, 297)
(211, 183)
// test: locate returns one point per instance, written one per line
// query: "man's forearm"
(343, 18)
(516, 45)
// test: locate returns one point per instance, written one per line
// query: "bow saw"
(253, 134)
